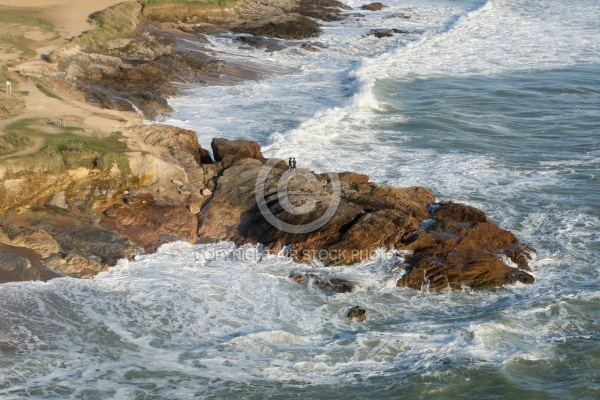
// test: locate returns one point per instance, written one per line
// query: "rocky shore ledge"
(76, 197)
(82, 221)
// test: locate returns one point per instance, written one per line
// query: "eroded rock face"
(73, 232)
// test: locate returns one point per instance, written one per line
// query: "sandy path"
(41, 106)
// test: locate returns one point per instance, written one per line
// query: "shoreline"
(105, 185)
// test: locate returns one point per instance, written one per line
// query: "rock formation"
(453, 246)
(78, 212)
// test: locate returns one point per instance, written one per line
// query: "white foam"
(501, 36)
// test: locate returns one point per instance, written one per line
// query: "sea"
(494, 103)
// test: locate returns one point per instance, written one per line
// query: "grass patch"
(64, 149)
(47, 91)
(117, 21)
(20, 46)
(22, 20)
(12, 142)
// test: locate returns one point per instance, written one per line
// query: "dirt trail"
(40, 105)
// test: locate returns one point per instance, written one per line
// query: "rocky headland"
(77, 197)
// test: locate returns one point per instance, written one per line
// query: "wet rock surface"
(357, 314)
(462, 249)
(326, 283)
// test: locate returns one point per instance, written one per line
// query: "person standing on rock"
(290, 163)
(294, 165)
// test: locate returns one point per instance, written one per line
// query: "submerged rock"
(259, 42)
(357, 314)
(324, 282)
(377, 6)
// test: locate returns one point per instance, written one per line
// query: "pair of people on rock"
(292, 164)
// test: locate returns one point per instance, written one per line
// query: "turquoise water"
(495, 104)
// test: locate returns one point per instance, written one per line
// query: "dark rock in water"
(400, 31)
(357, 314)
(287, 26)
(313, 46)
(324, 282)
(377, 6)
(325, 10)
(400, 15)
(381, 33)
(259, 42)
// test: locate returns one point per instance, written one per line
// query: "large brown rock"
(235, 148)
(359, 224)
(454, 245)
(461, 249)
(178, 147)
(151, 225)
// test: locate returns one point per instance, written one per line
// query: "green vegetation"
(13, 142)
(47, 91)
(22, 20)
(63, 149)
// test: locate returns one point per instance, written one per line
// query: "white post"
(9, 88)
